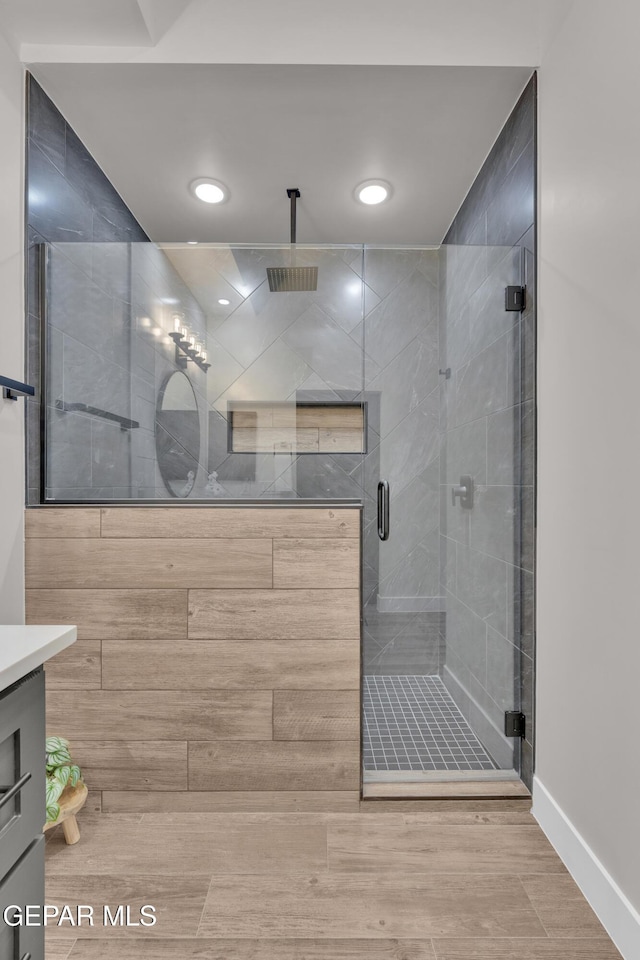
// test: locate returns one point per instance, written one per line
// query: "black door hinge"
(515, 298)
(514, 723)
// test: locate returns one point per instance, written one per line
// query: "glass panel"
(442, 595)
(275, 372)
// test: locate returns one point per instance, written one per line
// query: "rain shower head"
(292, 278)
(283, 279)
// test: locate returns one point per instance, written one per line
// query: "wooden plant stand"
(72, 800)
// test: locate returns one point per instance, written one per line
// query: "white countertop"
(22, 648)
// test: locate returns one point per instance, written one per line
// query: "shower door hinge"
(515, 298)
(514, 723)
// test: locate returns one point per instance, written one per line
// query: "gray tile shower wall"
(508, 172)
(113, 354)
(487, 417)
(70, 199)
(401, 574)
(282, 347)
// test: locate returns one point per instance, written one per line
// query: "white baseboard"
(616, 914)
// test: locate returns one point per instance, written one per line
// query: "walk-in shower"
(400, 382)
(447, 394)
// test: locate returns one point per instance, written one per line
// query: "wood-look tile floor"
(380, 886)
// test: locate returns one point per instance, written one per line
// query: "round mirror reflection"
(178, 435)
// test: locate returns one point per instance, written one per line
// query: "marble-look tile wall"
(402, 390)
(70, 199)
(316, 346)
(487, 432)
(109, 309)
(267, 346)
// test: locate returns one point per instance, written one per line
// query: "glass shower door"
(450, 464)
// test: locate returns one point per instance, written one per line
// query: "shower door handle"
(383, 509)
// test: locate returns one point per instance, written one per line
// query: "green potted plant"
(61, 772)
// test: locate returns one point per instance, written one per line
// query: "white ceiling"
(262, 128)
(452, 32)
(78, 23)
(266, 94)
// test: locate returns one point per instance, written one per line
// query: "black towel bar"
(12, 389)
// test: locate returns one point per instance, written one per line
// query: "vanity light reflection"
(188, 347)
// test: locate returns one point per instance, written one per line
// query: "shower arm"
(293, 193)
(292, 278)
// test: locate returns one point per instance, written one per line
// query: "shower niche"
(303, 426)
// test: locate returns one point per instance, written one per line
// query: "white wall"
(11, 336)
(589, 456)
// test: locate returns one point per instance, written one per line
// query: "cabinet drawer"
(23, 885)
(22, 768)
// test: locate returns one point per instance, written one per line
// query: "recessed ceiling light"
(373, 191)
(192, 242)
(224, 302)
(210, 191)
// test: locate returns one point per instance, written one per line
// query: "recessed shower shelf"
(296, 427)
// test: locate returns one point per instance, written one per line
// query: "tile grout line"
(326, 844)
(204, 907)
(518, 879)
(533, 907)
(421, 702)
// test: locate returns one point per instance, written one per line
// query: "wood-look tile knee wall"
(218, 652)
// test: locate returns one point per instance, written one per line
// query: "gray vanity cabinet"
(22, 812)
(23, 886)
